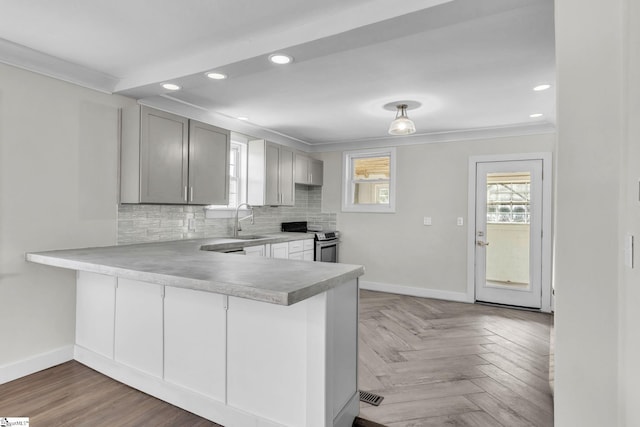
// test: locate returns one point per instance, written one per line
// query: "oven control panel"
(328, 235)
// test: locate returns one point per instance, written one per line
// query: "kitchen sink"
(232, 251)
(249, 237)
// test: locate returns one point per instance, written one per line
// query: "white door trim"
(547, 238)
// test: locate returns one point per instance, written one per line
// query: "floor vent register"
(370, 398)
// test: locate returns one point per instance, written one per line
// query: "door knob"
(481, 243)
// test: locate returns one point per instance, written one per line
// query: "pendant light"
(402, 125)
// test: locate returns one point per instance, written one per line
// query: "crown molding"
(436, 137)
(32, 60)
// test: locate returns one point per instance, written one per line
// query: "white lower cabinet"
(297, 256)
(273, 384)
(309, 249)
(235, 361)
(280, 250)
(301, 250)
(296, 246)
(303, 256)
(306, 372)
(138, 326)
(296, 249)
(194, 340)
(95, 312)
(256, 250)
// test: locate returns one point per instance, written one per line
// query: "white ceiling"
(471, 64)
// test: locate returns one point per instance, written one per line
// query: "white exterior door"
(508, 232)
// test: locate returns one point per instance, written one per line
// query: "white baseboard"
(415, 292)
(36, 363)
(349, 412)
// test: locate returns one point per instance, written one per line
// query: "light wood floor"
(440, 363)
(436, 363)
(72, 395)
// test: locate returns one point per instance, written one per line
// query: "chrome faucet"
(236, 224)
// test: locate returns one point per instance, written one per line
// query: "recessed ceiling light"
(541, 87)
(280, 59)
(217, 76)
(170, 86)
(535, 115)
(243, 118)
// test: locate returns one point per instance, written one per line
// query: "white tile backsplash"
(149, 223)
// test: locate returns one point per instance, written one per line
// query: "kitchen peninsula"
(236, 339)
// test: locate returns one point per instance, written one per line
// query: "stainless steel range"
(327, 242)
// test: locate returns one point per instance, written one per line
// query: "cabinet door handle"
(191, 195)
(185, 193)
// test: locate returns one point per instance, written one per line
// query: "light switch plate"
(426, 220)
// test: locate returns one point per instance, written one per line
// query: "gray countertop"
(183, 263)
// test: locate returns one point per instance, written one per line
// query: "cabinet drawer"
(255, 250)
(296, 246)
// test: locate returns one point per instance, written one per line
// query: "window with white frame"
(237, 176)
(369, 181)
(234, 175)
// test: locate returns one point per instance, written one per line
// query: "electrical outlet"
(426, 220)
(460, 221)
(192, 224)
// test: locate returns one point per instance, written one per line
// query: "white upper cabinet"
(170, 159)
(307, 170)
(270, 174)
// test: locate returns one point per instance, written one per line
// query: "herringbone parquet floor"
(436, 363)
(440, 363)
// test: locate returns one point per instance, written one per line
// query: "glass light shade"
(402, 125)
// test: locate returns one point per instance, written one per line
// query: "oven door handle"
(328, 242)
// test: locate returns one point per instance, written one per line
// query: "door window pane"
(508, 230)
(508, 198)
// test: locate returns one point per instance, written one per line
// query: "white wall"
(396, 249)
(58, 183)
(597, 298)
